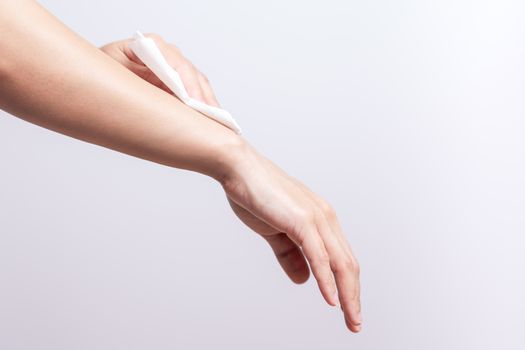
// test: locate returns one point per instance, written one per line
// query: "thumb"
(290, 257)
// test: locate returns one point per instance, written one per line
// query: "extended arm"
(51, 77)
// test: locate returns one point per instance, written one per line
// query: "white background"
(406, 115)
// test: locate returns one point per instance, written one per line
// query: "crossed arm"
(51, 77)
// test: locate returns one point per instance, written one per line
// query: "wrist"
(230, 153)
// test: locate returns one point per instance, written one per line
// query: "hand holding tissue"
(148, 52)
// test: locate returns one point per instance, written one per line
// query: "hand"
(299, 226)
(194, 81)
(102, 103)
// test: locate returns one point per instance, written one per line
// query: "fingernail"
(359, 319)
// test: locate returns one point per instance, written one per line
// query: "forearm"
(53, 78)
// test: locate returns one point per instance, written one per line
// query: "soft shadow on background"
(408, 116)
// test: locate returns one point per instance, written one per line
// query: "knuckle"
(323, 259)
(305, 217)
(185, 64)
(328, 282)
(189, 67)
(174, 47)
(326, 208)
(301, 222)
(204, 77)
(156, 37)
(347, 264)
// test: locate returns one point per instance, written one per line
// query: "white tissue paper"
(148, 52)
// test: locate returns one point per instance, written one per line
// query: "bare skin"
(51, 77)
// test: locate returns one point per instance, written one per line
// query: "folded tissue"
(148, 52)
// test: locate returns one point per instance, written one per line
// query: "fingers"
(290, 257)
(209, 95)
(346, 268)
(196, 83)
(342, 261)
(347, 280)
(190, 78)
(319, 260)
(344, 265)
(313, 226)
(146, 74)
(336, 228)
(343, 268)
